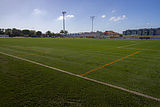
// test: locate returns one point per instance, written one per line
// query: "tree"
(66, 32)
(16, 32)
(63, 32)
(26, 32)
(1, 31)
(48, 33)
(58, 34)
(32, 33)
(8, 32)
(38, 33)
(53, 34)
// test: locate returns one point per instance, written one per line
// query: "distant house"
(110, 33)
(155, 31)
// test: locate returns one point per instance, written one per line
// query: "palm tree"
(64, 32)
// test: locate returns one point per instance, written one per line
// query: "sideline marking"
(89, 79)
(28, 49)
(31, 54)
(108, 64)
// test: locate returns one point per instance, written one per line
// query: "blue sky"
(116, 15)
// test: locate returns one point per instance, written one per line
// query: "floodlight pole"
(64, 21)
(92, 18)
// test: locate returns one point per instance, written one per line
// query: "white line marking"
(124, 47)
(127, 45)
(142, 49)
(96, 81)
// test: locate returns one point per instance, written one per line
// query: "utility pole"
(92, 18)
(64, 21)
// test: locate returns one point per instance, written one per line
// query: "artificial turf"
(26, 84)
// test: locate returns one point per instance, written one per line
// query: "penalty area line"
(89, 79)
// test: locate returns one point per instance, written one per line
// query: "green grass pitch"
(26, 84)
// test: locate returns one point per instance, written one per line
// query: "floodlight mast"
(64, 21)
(92, 18)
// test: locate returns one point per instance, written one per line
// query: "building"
(152, 31)
(110, 33)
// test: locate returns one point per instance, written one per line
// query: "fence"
(104, 37)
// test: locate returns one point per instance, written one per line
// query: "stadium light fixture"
(92, 18)
(64, 12)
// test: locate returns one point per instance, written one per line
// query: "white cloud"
(148, 23)
(38, 12)
(70, 16)
(103, 16)
(113, 11)
(60, 18)
(67, 17)
(115, 19)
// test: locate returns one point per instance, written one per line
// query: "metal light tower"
(92, 18)
(64, 21)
